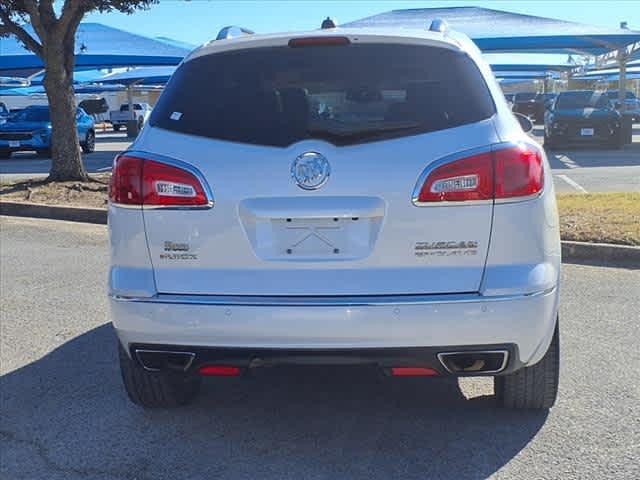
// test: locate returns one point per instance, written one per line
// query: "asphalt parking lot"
(65, 415)
(577, 170)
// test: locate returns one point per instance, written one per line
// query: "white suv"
(340, 196)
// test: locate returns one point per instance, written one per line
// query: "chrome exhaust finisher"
(474, 362)
(156, 360)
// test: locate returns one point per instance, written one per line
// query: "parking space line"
(568, 162)
(103, 169)
(573, 183)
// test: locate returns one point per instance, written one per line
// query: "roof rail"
(233, 31)
(439, 25)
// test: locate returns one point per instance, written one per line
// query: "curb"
(55, 212)
(604, 254)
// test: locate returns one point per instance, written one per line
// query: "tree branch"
(9, 26)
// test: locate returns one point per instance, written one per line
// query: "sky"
(198, 21)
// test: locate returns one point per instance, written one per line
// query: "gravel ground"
(65, 415)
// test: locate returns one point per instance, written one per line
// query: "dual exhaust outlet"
(473, 362)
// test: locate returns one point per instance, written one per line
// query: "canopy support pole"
(622, 79)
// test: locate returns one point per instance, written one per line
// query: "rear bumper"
(498, 359)
(524, 322)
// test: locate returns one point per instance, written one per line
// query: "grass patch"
(600, 217)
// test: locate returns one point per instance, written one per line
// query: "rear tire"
(534, 387)
(89, 144)
(44, 153)
(549, 143)
(156, 389)
(5, 153)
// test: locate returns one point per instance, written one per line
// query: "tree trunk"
(65, 147)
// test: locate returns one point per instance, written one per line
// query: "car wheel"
(534, 387)
(44, 153)
(89, 144)
(617, 141)
(116, 128)
(549, 143)
(5, 153)
(140, 123)
(156, 389)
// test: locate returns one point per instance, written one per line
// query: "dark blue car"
(30, 130)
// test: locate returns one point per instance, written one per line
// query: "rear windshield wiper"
(356, 134)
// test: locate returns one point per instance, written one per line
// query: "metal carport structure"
(97, 46)
(496, 31)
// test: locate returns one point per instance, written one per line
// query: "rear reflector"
(505, 173)
(414, 372)
(144, 182)
(219, 371)
(318, 41)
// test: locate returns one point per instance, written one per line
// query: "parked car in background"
(543, 102)
(525, 104)
(4, 113)
(315, 208)
(98, 108)
(30, 130)
(582, 117)
(631, 103)
(120, 117)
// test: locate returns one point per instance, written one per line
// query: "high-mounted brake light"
(144, 182)
(318, 41)
(219, 371)
(509, 171)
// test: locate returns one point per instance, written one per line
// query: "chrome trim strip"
(142, 350)
(175, 163)
(327, 301)
(505, 359)
(495, 147)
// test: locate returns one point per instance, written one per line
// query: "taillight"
(519, 171)
(144, 182)
(505, 172)
(469, 178)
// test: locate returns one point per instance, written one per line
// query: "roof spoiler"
(233, 31)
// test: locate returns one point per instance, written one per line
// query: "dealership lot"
(575, 170)
(65, 414)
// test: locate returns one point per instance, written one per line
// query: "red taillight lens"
(219, 371)
(126, 178)
(140, 181)
(519, 171)
(511, 172)
(318, 41)
(470, 178)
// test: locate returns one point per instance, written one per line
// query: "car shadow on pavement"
(66, 415)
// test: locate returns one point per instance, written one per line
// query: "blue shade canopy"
(139, 76)
(499, 31)
(97, 46)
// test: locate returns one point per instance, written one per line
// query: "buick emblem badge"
(310, 170)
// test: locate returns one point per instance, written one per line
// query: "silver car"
(339, 197)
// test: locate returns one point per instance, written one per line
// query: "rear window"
(125, 107)
(525, 96)
(342, 94)
(585, 99)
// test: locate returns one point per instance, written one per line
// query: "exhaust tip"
(481, 361)
(156, 360)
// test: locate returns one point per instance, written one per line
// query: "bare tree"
(53, 40)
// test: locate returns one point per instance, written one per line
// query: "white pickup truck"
(119, 118)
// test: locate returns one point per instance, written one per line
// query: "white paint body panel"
(240, 253)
